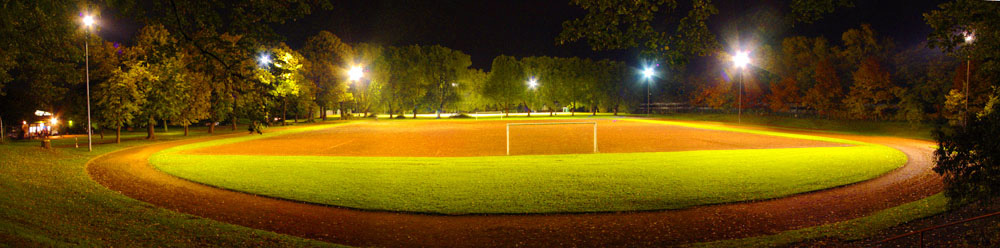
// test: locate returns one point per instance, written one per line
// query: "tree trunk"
(616, 110)
(165, 126)
(527, 108)
(234, 122)
(506, 109)
(185, 130)
(118, 135)
(414, 112)
(102, 133)
(594, 109)
(150, 134)
(211, 126)
(341, 111)
(284, 104)
(390, 109)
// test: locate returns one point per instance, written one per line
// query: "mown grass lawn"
(48, 200)
(537, 184)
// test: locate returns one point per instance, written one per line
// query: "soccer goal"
(490, 114)
(594, 124)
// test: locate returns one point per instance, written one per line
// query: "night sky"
(485, 29)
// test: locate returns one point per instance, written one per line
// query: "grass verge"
(48, 200)
(537, 184)
(854, 229)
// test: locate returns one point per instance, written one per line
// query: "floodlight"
(648, 72)
(88, 20)
(741, 59)
(355, 73)
(970, 37)
(264, 59)
(532, 83)
(54, 121)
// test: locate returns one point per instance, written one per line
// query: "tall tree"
(825, 96)
(283, 77)
(327, 55)
(158, 50)
(872, 92)
(784, 95)
(505, 84)
(442, 67)
(119, 98)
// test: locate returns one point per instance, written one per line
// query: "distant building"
(43, 124)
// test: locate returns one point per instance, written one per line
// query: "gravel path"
(129, 172)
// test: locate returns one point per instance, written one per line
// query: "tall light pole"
(648, 73)
(741, 59)
(88, 21)
(969, 38)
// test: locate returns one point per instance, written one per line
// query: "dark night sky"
(485, 29)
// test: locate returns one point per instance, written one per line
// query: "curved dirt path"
(129, 172)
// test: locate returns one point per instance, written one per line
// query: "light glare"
(88, 20)
(532, 83)
(264, 59)
(741, 59)
(355, 73)
(970, 37)
(648, 72)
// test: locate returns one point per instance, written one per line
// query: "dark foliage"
(969, 158)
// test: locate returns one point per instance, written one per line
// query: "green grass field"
(537, 184)
(48, 200)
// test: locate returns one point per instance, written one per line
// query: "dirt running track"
(129, 172)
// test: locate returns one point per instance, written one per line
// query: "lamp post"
(648, 74)
(741, 59)
(354, 75)
(88, 21)
(969, 38)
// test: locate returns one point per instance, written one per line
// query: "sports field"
(458, 167)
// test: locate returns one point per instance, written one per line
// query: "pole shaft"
(86, 45)
(968, 70)
(739, 114)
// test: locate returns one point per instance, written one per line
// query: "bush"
(400, 117)
(969, 157)
(460, 116)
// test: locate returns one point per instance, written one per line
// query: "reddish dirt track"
(128, 172)
(488, 138)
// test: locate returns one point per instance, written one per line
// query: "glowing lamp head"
(355, 73)
(741, 59)
(264, 59)
(88, 20)
(969, 37)
(54, 121)
(648, 72)
(533, 83)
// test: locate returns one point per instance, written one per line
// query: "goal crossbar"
(551, 123)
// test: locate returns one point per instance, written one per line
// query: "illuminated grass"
(537, 184)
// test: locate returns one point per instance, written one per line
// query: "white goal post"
(551, 123)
